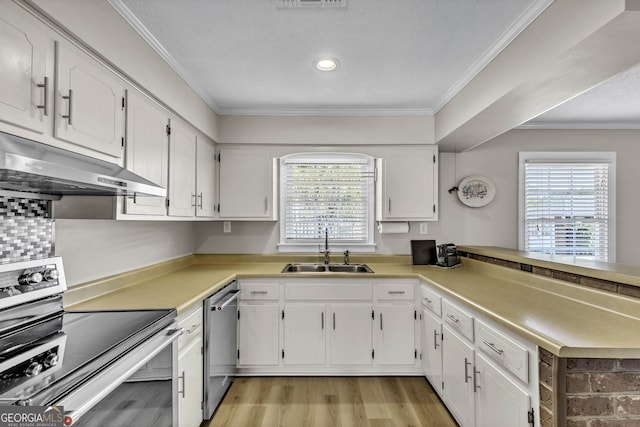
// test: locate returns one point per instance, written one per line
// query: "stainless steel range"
(107, 368)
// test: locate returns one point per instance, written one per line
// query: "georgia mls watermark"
(33, 416)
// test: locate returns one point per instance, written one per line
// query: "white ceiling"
(404, 57)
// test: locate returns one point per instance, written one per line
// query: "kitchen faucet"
(326, 246)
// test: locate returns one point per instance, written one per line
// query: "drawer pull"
(493, 347)
(453, 318)
(467, 377)
(259, 292)
(428, 301)
(396, 292)
(192, 328)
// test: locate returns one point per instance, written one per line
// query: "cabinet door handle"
(389, 204)
(322, 320)
(467, 377)
(493, 347)
(45, 97)
(380, 321)
(435, 339)
(193, 198)
(182, 392)
(476, 387)
(200, 197)
(428, 301)
(69, 98)
(334, 321)
(453, 318)
(266, 204)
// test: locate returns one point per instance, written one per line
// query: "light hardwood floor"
(331, 402)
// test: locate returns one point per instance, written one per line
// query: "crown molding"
(569, 125)
(327, 111)
(527, 17)
(155, 44)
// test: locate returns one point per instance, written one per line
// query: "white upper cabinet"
(205, 179)
(26, 72)
(89, 103)
(407, 185)
(182, 178)
(247, 184)
(147, 151)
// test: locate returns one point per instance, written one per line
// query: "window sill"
(333, 248)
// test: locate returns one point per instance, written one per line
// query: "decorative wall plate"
(476, 191)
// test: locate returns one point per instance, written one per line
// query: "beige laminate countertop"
(567, 320)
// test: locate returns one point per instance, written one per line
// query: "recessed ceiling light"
(326, 64)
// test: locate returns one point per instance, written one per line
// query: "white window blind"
(567, 208)
(327, 193)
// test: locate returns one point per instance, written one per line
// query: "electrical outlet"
(226, 226)
(423, 228)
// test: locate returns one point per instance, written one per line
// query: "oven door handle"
(88, 395)
(229, 298)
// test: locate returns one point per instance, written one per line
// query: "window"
(326, 193)
(567, 204)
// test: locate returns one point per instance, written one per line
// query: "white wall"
(495, 224)
(93, 249)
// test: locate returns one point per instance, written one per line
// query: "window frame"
(286, 246)
(569, 157)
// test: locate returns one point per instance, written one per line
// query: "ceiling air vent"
(289, 4)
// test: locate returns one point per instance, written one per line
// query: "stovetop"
(46, 352)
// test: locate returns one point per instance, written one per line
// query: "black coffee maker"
(448, 255)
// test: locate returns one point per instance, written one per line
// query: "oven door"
(140, 389)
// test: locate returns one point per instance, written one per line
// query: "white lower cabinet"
(351, 332)
(431, 349)
(457, 376)
(499, 400)
(190, 385)
(304, 334)
(396, 334)
(190, 368)
(258, 332)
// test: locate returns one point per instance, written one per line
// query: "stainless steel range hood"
(34, 168)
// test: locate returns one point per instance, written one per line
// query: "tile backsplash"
(26, 231)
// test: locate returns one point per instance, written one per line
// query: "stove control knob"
(30, 278)
(33, 369)
(50, 274)
(51, 360)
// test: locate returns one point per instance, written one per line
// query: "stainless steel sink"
(327, 268)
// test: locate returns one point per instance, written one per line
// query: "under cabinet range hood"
(30, 167)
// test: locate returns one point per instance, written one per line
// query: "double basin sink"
(327, 268)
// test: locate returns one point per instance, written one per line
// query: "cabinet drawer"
(328, 291)
(260, 292)
(395, 291)
(431, 300)
(191, 322)
(504, 350)
(459, 319)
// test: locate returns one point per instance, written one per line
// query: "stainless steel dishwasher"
(220, 345)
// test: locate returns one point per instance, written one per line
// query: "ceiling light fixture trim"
(327, 64)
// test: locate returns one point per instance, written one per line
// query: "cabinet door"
(350, 329)
(182, 177)
(147, 151)
(89, 103)
(431, 348)
(258, 335)
(246, 184)
(205, 179)
(304, 334)
(396, 339)
(409, 185)
(457, 376)
(190, 385)
(499, 400)
(26, 60)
